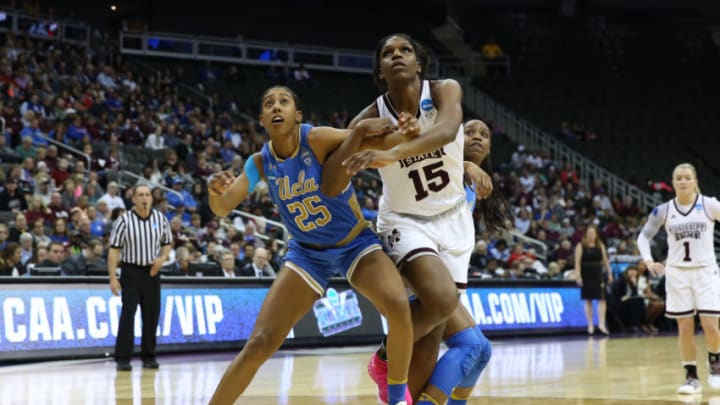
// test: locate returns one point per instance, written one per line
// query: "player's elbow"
(331, 190)
(448, 131)
(446, 137)
(217, 207)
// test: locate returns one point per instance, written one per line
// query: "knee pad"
(483, 358)
(476, 348)
(467, 355)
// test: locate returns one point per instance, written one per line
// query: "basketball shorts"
(316, 266)
(691, 291)
(450, 236)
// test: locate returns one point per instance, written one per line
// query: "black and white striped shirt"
(140, 239)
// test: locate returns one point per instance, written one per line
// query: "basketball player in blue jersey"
(453, 379)
(423, 217)
(691, 271)
(328, 237)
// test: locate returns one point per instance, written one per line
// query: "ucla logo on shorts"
(426, 104)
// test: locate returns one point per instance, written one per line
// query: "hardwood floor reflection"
(533, 371)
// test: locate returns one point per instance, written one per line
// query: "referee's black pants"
(138, 288)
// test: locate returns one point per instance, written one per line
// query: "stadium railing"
(279, 225)
(73, 151)
(45, 27)
(174, 45)
(523, 132)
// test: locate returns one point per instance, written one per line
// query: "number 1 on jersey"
(687, 252)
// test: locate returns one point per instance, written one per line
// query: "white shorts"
(449, 236)
(692, 290)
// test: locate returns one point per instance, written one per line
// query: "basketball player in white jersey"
(423, 217)
(691, 270)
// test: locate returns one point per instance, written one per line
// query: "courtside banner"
(49, 320)
(66, 319)
(526, 308)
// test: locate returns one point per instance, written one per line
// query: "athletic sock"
(396, 391)
(426, 399)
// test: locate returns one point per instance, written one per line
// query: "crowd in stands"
(58, 207)
(55, 95)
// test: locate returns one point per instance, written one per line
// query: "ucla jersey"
(311, 217)
(470, 196)
(427, 184)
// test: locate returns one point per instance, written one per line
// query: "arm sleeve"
(252, 173)
(653, 225)
(117, 234)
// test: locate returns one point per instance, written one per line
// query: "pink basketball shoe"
(377, 369)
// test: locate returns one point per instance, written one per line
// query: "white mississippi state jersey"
(426, 184)
(690, 232)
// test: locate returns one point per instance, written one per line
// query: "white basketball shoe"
(714, 375)
(691, 386)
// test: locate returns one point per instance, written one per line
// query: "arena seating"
(645, 84)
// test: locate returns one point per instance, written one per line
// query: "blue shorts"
(317, 266)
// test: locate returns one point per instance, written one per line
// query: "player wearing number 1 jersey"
(691, 270)
(328, 237)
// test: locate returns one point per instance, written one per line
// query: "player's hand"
(655, 268)
(372, 127)
(218, 183)
(579, 282)
(408, 126)
(115, 286)
(157, 264)
(481, 180)
(374, 159)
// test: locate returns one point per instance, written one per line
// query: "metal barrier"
(87, 157)
(174, 45)
(196, 93)
(280, 225)
(45, 27)
(521, 131)
(540, 248)
(152, 184)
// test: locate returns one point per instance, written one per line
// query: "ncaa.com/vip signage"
(63, 320)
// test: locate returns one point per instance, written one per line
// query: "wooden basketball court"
(554, 370)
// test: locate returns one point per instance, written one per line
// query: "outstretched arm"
(227, 191)
(448, 96)
(369, 133)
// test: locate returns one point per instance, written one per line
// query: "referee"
(140, 242)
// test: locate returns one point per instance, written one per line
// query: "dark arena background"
(591, 104)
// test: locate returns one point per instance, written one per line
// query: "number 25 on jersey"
(305, 208)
